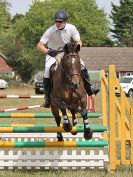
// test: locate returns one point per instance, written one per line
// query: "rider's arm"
(41, 47)
(76, 36)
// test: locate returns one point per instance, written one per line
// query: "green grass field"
(123, 171)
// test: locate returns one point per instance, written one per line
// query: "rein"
(72, 74)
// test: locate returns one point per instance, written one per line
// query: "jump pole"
(21, 96)
(42, 115)
(54, 144)
(50, 129)
(20, 108)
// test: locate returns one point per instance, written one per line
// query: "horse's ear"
(66, 48)
(78, 48)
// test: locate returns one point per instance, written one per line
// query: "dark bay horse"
(68, 91)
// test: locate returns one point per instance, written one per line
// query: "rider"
(53, 40)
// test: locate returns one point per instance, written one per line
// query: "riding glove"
(52, 53)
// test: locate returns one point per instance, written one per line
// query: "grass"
(123, 171)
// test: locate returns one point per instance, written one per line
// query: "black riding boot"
(88, 86)
(47, 88)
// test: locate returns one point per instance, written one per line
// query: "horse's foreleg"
(74, 120)
(87, 130)
(66, 123)
(55, 112)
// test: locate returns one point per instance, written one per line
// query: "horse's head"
(71, 64)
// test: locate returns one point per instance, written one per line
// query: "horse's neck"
(63, 76)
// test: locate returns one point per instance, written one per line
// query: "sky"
(22, 6)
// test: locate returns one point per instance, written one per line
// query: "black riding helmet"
(61, 15)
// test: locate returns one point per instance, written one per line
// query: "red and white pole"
(90, 104)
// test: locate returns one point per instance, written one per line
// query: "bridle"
(69, 76)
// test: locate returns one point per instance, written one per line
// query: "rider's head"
(60, 18)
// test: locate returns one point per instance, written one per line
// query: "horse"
(68, 92)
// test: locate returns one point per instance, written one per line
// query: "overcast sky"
(22, 6)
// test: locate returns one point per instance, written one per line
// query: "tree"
(85, 14)
(122, 17)
(5, 21)
(25, 61)
(5, 17)
(16, 17)
(108, 42)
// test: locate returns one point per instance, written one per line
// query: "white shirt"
(56, 39)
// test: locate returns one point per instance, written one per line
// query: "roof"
(4, 68)
(99, 58)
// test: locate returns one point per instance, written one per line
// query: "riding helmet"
(61, 15)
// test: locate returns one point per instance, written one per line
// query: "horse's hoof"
(74, 133)
(88, 134)
(67, 127)
(60, 139)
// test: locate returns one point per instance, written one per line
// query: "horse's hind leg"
(87, 130)
(74, 120)
(55, 112)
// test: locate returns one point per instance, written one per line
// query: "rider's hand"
(52, 53)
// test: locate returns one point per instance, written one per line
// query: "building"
(5, 70)
(99, 58)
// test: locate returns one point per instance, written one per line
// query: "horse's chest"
(70, 96)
